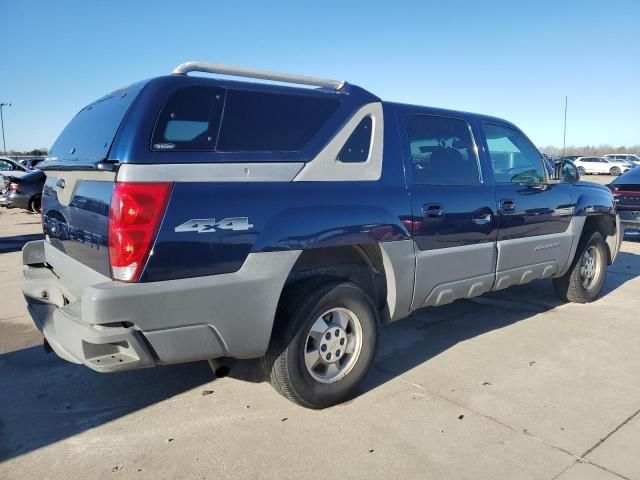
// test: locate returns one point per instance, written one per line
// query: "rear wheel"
(35, 204)
(584, 280)
(324, 342)
(581, 170)
(615, 171)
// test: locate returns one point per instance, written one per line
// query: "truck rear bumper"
(630, 218)
(104, 349)
(112, 326)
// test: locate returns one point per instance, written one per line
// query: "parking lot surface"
(510, 385)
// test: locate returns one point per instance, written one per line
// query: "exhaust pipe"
(220, 370)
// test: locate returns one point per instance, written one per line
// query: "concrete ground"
(510, 385)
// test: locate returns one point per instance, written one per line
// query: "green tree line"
(36, 152)
(589, 150)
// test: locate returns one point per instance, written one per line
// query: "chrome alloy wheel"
(590, 267)
(333, 345)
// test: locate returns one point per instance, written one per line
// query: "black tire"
(571, 287)
(581, 171)
(35, 204)
(615, 171)
(301, 306)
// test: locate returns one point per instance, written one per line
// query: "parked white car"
(590, 165)
(631, 159)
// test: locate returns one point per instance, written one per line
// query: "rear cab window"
(219, 119)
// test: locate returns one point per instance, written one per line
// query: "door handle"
(507, 205)
(433, 210)
(483, 220)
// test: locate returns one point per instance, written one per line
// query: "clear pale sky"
(511, 59)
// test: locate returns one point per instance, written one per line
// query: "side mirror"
(566, 172)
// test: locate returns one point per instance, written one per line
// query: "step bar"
(187, 67)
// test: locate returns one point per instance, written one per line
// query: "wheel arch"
(606, 225)
(386, 271)
(360, 263)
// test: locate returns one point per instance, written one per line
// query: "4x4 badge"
(208, 225)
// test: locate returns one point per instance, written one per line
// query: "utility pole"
(4, 145)
(564, 140)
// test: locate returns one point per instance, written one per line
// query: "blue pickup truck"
(191, 217)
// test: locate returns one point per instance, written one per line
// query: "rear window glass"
(208, 119)
(89, 135)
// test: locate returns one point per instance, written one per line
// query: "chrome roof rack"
(187, 67)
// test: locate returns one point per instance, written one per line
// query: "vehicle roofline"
(447, 111)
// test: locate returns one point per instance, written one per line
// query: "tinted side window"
(442, 151)
(513, 158)
(189, 121)
(5, 166)
(276, 122)
(356, 149)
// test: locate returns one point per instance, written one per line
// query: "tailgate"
(75, 215)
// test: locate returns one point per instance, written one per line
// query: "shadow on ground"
(44, 400)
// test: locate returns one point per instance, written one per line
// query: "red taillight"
(134, 218)
(13, 187)
(618, 192)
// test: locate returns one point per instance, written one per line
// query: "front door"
(453, 211)
(534, 214)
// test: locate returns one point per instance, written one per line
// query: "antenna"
(564, 140)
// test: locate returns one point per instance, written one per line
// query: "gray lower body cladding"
(110, 326)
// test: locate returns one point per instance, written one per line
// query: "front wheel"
(584, 280)
(615, 171)
(581, 170)
(324, 342)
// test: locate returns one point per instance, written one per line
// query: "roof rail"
(187, 67)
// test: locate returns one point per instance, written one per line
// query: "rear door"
(453, 214)
(534, 214)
